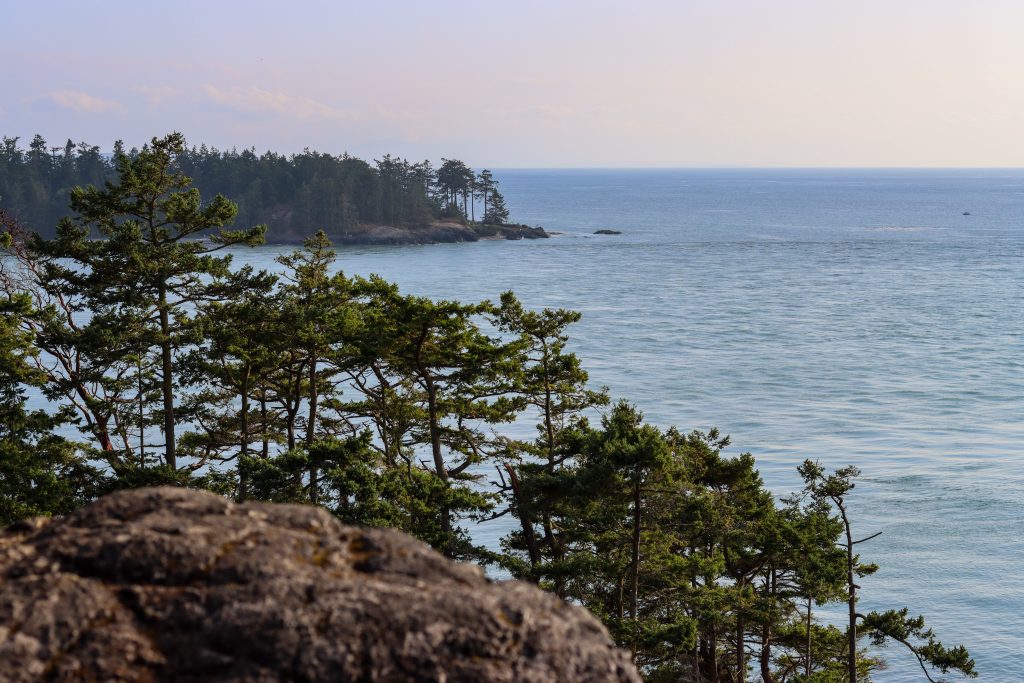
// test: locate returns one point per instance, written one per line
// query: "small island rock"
(607, 232)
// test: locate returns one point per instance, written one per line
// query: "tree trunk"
(807, 665)
(634, 597)
(851, 634)
(263, 426)
(97, 423)
(766, 656)
(766, 632)
(245, 413)
(388, 440)
(556, 552)
(311, 431)
(527, 523)
(439, 466)
(244, 451)
(741, 652)
(313, 400)
(292, 403)
(290, 413)
(142, 418)
(549, 427)
(167, 380)
(713, 655)
(103, 434)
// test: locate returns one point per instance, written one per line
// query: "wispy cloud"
(256, 100)
(156, 94)
(83, 102)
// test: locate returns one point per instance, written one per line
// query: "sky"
(561, 83)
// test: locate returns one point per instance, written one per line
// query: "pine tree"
(554, 384)
(486, 185)
(154, 260)
(239, 350)
(318, 307)
(40, 473)
(497, 212)
(894, 624)
(463, 376)
(85, 372)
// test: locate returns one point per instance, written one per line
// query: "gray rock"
(522, 232)
(177, 585)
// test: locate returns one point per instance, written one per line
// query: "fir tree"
(155, 259)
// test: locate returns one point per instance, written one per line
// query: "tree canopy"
(293, 194)
(386, 408)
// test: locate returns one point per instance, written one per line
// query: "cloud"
(82, 102)
(156, 94)
(259, 101)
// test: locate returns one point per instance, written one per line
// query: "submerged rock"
(607, 232)
(178, 585)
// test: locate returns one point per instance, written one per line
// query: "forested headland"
(165, 364)
(351, 200)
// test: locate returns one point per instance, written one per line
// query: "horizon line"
(755, 168)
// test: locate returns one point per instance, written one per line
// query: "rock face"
(177, 585)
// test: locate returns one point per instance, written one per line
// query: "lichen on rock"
(177, 585)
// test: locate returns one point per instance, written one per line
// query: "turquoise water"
(848, 316)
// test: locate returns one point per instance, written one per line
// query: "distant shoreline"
(437, 232)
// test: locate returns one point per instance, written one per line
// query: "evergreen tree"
(239, 350)
(87, 372)
(497, 213)
(155, 260)
(385, 396)
(552, 382)
(379, 407)
(318, 308)
(289, 193)
(454, 180)
(485, 185)
(893, 624)
(40, 473)
(463, 377)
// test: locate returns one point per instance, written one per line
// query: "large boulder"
(176, 585)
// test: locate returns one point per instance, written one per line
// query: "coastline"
(437, 232)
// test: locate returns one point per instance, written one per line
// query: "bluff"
(176, 585)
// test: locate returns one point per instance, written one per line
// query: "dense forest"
(288, 193)
(164, 364)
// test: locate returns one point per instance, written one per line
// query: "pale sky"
(569, 83)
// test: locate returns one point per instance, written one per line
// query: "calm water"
(848, 316)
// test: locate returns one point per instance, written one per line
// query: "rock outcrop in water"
(178, 585)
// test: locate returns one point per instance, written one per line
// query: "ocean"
(865, 317)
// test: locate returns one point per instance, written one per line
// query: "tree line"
(288, 192)
(385, 408)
